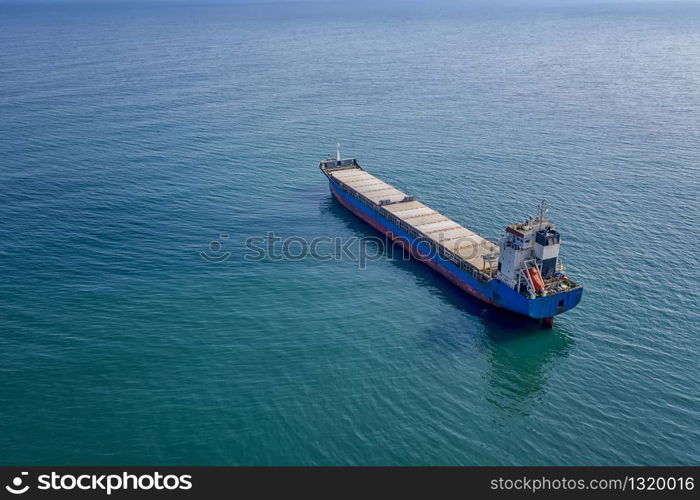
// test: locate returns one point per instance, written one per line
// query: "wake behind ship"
(522, 273)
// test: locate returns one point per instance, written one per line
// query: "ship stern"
(551, 305)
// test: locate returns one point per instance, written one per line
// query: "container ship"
(521, 273)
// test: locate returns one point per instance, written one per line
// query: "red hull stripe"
(413, 251)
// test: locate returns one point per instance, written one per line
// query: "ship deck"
(446, 233)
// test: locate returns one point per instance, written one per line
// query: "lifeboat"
(536, 278)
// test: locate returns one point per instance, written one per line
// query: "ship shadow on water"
(520, 352)
(519, 370)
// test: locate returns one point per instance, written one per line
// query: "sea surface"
(139, 143)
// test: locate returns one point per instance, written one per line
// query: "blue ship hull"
(493, 291)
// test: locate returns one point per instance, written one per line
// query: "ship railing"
(441, 250)
(332, 163)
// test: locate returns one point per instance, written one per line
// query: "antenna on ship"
(337, 151)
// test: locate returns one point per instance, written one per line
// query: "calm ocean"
(131, 137)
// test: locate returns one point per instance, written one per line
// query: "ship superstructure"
(522, 273)
(529, 258)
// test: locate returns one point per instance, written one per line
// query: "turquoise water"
(132, 137)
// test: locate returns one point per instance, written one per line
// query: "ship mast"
(337, 151)
(542, 211)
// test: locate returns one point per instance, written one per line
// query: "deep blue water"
(132, 137)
